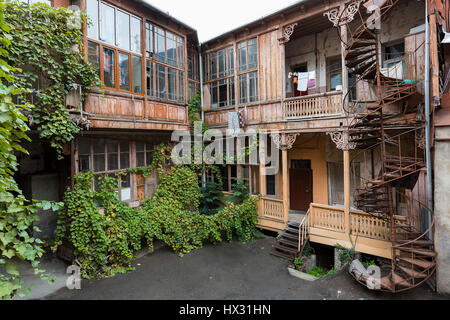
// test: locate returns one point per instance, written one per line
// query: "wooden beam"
(347, 190)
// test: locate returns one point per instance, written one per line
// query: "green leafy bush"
(104, 243)
(211, 199)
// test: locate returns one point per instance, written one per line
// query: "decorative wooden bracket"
(344, 14)
(284, 141)
(342, 140)
(287, 33)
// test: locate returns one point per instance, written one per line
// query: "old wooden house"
(343, 83)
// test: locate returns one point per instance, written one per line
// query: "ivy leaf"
(12, 268)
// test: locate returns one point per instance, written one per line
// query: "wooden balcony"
(314, 106)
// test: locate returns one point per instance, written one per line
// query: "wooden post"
(286, 202)
(262, 171)
(343, 32)
(347, 190)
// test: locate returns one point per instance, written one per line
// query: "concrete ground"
(234, 271)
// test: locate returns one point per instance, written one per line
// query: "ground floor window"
(111, 157)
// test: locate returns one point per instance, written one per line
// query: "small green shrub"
(211, 198)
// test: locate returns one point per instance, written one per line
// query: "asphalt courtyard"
(236, 271)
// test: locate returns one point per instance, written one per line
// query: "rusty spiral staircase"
(413, 255)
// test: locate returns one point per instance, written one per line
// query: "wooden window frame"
(330, 74)
(211, 82)
(150, 56)
(107, 172)
(386, 62)
(116, 50)
(247, 72)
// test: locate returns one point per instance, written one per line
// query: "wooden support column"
(343, 33)
(286, 199)
(347, 190)
(343, 143)
(262, 171)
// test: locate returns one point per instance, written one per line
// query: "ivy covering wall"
(40, 56)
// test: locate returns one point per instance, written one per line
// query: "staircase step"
(289, 236)
(286, 249)
(288, 243)
(361, 44)
(399, 281)
(293, 224)
(386, 283)
(421, 252)
(355, 53)
(412, 273)
(292, 230)
(285, 256)
(360, 59)
(422, 243)
(420, 263)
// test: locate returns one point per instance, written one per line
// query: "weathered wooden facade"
(347, 102)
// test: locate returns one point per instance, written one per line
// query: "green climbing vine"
(47, 45)
(16, 214)
(105, 242)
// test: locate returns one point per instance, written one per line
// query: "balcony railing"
(312, 106)
(361, 224)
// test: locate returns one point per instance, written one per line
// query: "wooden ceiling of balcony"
(311, 25)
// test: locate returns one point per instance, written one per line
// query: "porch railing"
(361, 224)
(271, 208)
(317, 105)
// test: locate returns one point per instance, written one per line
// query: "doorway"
(301, 185)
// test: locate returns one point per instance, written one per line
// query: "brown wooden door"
(301, 189)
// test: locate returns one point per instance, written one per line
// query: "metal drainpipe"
(428, 119)
(201, 101)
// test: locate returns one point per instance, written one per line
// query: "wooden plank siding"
(270, 73)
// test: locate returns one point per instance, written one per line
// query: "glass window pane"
(172, 83)
(108, 68)
(107, 24)
(231, 92)
(161, 78)
(243, 88)
(222, 63)
(335, 80)
(335, 65)
(150, 79)
(270, 185)
(113, 155)
(252, 54)
(124, 155)
(253, 83)
(160, 45)
(171, 49)
(125, 190)
(137, 75)
(135, 35)
(149, 153)
(149, 42)
(181, 86)
(213, 65)
(214, 95)
(124, 71)
(223, 93)
(92, 12)
(94, 55)
(242, 56)
(123, 30)
(230, 61)
(180, 49)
